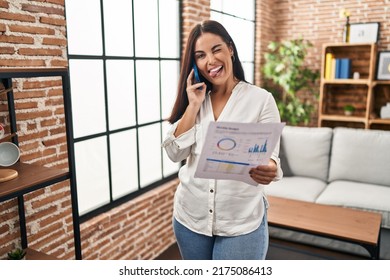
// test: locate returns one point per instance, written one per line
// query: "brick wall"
(32, 33)
(265, 33)
(193, 12)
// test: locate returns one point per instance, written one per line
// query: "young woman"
(217, 219)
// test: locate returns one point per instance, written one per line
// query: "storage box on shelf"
(32, 177)
(360, 89)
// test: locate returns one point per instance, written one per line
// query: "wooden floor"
(282, 250)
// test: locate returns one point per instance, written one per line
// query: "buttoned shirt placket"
(211, 205)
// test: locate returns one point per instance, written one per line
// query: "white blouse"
(220, 207)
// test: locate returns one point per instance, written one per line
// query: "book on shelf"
(337, 68)
(328, 65)
(345, 68)
(333, 68)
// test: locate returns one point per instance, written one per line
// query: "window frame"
(137, 126)
(223, 13)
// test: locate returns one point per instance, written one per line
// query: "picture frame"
(383, 66)
(364, 32)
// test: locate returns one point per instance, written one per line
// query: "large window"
(238, 17)
(124, 58)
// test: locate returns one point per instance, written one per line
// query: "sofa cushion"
(362, 196)
(360, 155)
(299, 188)
(307, 150)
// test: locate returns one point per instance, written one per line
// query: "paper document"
(231, 149)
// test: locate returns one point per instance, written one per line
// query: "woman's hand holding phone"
(196, 90)
(197, 78)
(196, 93)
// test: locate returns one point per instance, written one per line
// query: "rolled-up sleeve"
(179, 148)
(279, 174)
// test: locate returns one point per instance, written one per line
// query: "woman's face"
(214, 59)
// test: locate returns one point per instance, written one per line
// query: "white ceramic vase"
(385, 111)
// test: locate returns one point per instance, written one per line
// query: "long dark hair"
(208, 26)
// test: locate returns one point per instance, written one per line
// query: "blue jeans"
(195, 246)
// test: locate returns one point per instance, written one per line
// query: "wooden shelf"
(379, 121)
(379, 83)
(366, 93)
(31, 254)
(342, 118)
(343, 45)
(30, 177)
(32, 72)
(347, 82)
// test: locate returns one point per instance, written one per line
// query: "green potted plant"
(349, 109)
(285, 67)
(17, 254)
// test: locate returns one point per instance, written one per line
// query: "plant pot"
(348, 113)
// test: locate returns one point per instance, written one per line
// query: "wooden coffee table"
(345, 224)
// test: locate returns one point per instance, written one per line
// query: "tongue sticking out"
(214, 72)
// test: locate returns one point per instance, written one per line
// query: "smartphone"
(196, 75)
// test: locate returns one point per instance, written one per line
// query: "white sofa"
(342, 166)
